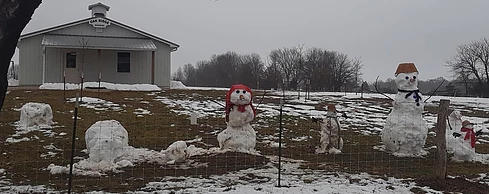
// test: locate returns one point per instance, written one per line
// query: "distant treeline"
(290, 68)
(318, 69)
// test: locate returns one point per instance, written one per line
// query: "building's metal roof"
(63, 41)
(44, 31)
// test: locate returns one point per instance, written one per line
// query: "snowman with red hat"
(466, 138)
(239, 135)
(405, 130)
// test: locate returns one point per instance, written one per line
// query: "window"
(124, 62)
(70, 60)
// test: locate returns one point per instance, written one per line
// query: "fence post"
(280, 142)
(73, 139)
(441, 154)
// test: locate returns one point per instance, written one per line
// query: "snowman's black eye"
(407, 77)
(414, 77)
(237, 91)
(244, 92)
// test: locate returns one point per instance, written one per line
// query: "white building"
(93, 47)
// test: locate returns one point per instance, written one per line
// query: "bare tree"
(178, 75)
(288, 59)
(14, 16)
(357, 73)
(255, 66)
(471, 62)
(272, 76)
(481, 50)
(190, 74)
(317, 68)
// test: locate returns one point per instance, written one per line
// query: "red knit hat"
(229, 104)
(465, 123)
(331, 107)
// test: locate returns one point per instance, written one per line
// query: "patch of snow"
(96, 104)
(293, 181)
(140, 111)
(177, 85)
(14, 140)
(187, 107)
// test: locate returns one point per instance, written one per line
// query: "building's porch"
(115, 60)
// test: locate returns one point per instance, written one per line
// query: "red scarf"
(469, 135)
(241, 108)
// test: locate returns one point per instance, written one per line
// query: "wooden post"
(152, 67)
(99, 79)
(441, 159)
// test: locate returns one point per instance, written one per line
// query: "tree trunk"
(14, 16)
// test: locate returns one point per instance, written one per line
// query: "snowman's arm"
(251, 114)
(478, 133)
(455, 134)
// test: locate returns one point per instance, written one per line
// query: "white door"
(72, 68)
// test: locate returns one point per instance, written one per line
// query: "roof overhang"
(84, 42)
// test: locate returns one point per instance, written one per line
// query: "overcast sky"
(382, 32)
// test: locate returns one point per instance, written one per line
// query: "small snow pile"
(110, 86)
(13, 82)
(106, 141)
(177, 85)
(176, 151)
(37, 115)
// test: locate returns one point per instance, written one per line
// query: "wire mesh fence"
(151, 158)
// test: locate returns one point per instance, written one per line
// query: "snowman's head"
(407, 81)
(239, 95)
(456, 115)
(331, 110)
(467, 124)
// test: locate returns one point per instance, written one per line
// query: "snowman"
(331, 141)
(454, 124)
(239, 135)
(405, 130)
(464, 150)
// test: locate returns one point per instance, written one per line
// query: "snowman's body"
(238, 135)
(331, 141)
(463, 149)
(454, 124)
(405, 129)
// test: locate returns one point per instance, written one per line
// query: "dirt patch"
(455, 185)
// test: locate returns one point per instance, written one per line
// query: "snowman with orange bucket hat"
(405, 130)
(238, 135)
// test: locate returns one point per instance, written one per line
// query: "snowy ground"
(365, 116)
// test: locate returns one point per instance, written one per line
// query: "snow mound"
(177, 85)
(177, 151)
(106, 141)
(13, 82)
(34, 114)
(110, 86)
